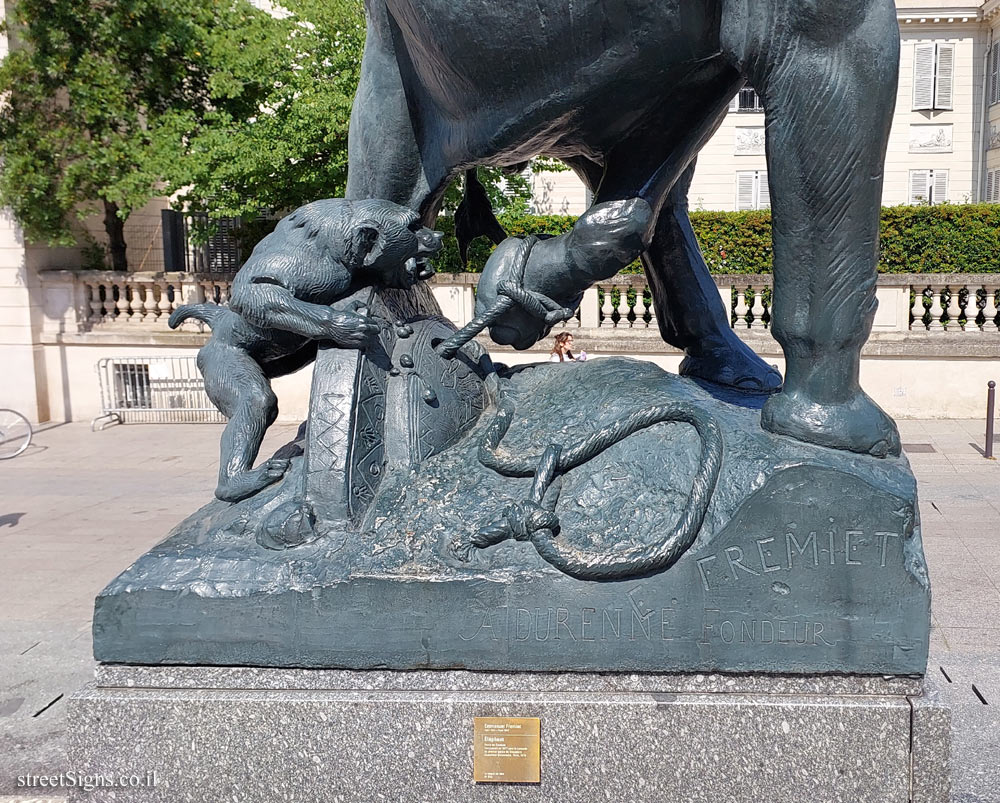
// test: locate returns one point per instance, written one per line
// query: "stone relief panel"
(931, 138)
(750, 140)
(993, 141)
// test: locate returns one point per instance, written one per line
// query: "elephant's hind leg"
(688, 307)
(689, 310)
(827, 73)
(387, 160)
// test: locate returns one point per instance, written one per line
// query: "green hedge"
(915, 239)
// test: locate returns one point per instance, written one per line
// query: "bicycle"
(15, 433)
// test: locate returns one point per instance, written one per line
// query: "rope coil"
(534, 519)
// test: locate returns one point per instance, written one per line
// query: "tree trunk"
(115, 227)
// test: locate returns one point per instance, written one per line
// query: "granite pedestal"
(246, 734)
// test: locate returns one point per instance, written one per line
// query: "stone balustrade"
(94, 301)
(907, 302)
(910, 303)
(931, 332)
(917, 304)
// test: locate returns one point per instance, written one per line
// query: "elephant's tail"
(206, 313)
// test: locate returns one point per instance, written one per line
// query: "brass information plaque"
(507, 750)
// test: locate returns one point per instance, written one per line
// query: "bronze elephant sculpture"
(627, 92)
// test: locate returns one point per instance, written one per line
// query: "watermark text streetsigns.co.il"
(88, 782)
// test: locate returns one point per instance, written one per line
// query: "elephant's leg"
(827, 71)
(386, 160)
(658, 164)
(688, 307)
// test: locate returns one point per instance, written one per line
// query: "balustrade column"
(758, 307)
(607, 309)
(972, 310)
(623, 308)
(148, 304)
(954, 309)
(937, 309)
(990, 310)
(134, 296)
(741, 308)
(640, 307)
(917, 309)
(178, 297)
(123, 302)
(165, 305)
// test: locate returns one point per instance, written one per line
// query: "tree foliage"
(280, 89)
(91, 90)
(242, 111)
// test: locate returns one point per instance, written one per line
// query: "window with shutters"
(928, 186)
(752, 191)
(746, 101)
(992, 194)
(933, 76)
(994, 80)
(511, 190)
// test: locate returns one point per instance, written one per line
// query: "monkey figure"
(280, 308)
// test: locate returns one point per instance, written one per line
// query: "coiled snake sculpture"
(534, 519)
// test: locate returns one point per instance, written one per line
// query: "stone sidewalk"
(78, 507)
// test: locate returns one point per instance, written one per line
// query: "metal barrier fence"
(153, 390)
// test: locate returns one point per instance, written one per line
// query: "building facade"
(945, 138)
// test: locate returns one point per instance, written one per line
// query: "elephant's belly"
(535, 72)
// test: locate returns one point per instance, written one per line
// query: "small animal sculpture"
(280, 308)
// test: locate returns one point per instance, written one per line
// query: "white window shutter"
(744, 190)
(995, 74)
(763, 191)
(923, 77)
(734, 104)
(940, 189)
(944, 85)
(919, 183)
(990, 183)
